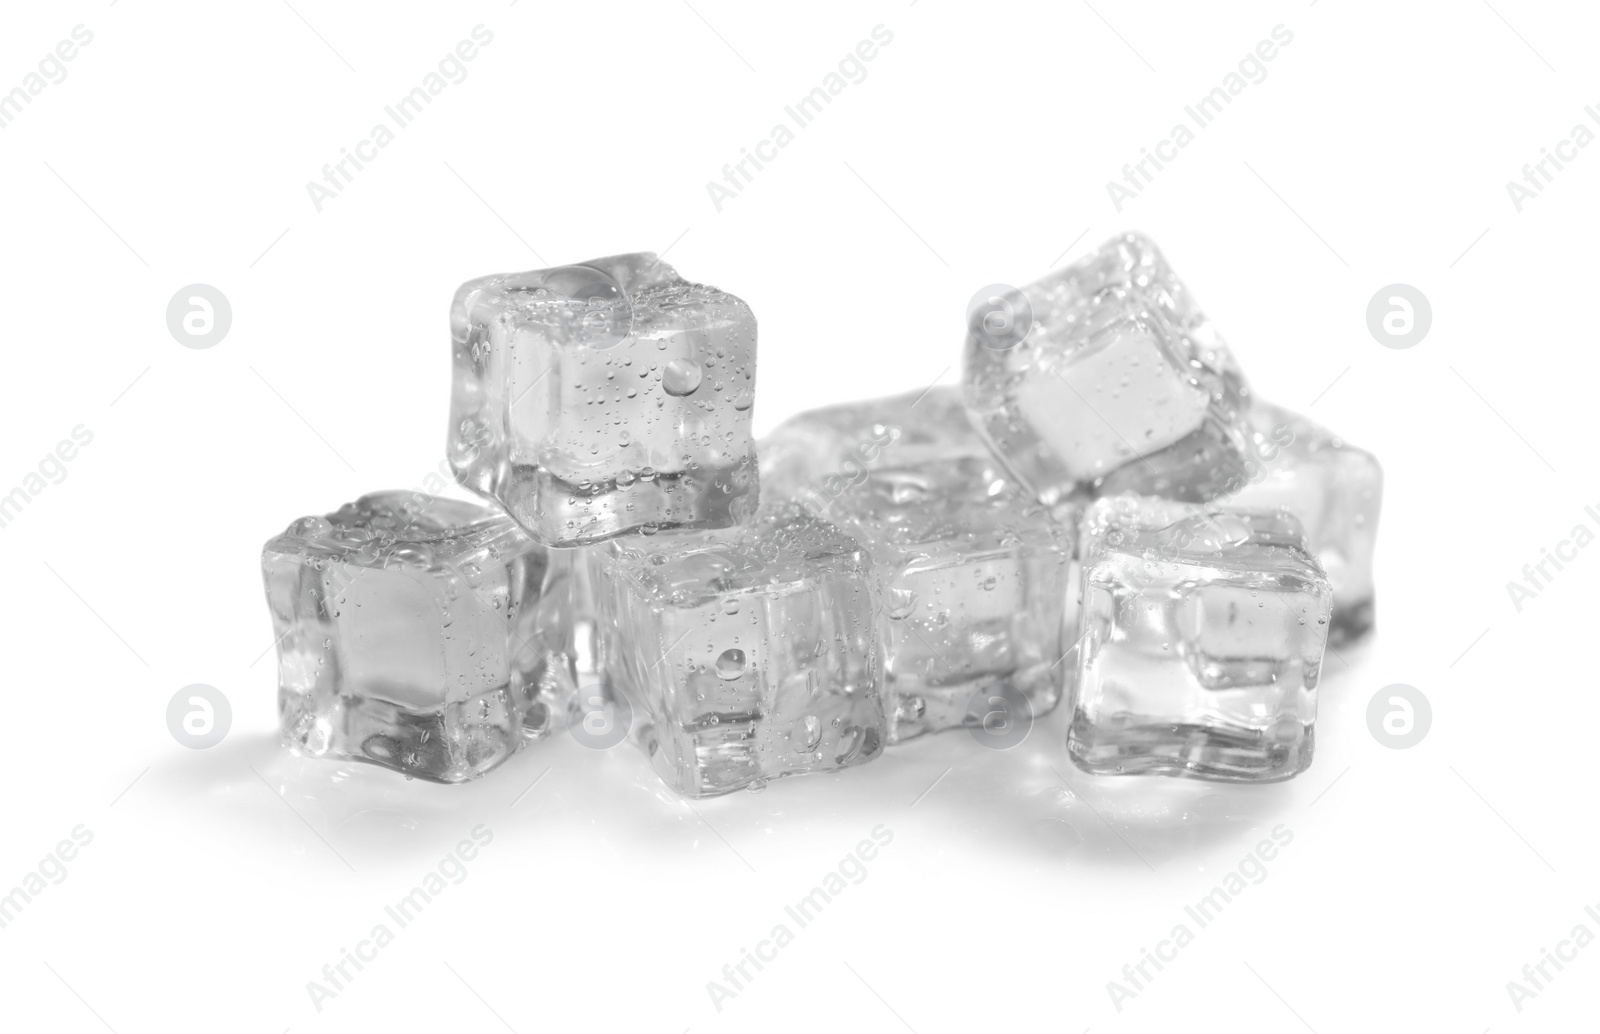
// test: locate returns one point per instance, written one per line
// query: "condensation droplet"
(730, 665)
(901, 602)
(681, 377)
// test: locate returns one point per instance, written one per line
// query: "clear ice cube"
(553, 630)
(1203, 636)
(1335, 489)
(408, 635)
(971, 573)
(832, 448)
(594, 399)
(1121, 384)
(744, 653)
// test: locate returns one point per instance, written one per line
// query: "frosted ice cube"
(971, 573)
(745, 653)
(833, 447)
(406, 635)
(1203, 636)
(593, 399)
(1121, 385)
(1335, 489)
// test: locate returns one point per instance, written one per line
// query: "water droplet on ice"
(310, 527)
(901, 603)
(730, 665)
(416, 554)
(681, 377)
(807, 734)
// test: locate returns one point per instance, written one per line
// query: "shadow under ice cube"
(1203, 637)
(1121, 385)
(594, 399)
(746, 653)
(408, 636)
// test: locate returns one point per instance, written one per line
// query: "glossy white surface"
(218, 883)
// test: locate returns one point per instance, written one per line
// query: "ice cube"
(1121, 384)
(744, 653)
(554, 631)
(406, 635)
(1203, 635)
(1335, 489)
(594, 399)
(971, 573)
(833, 447)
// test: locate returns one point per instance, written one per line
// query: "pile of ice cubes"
(1101, 514)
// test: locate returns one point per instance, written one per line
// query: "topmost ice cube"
(1119, 385)
(594, 399)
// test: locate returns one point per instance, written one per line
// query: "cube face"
(551, 613)
(744, 654)
(1203, 636)
(1336, 491)
(398, 636)
(595, 399)
(1121, 385)
(971, 576)
(832, 448)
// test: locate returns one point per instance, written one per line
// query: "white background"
(219, 882)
